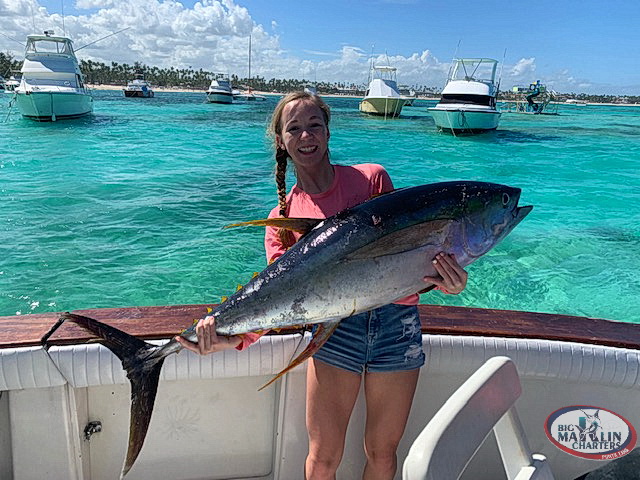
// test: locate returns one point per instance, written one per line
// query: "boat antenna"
(370, 65)
(13, 39)
(110, 35)
(504, 54)
(64, 30)
(33, 17)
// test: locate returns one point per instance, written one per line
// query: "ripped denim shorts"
(386, 339)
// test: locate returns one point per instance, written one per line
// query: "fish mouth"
(521, 212)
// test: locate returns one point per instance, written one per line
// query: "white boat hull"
(51, 106)
(461, 119)
(384, 106)
(219, 97)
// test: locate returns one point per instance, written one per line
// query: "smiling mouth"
(308, 149)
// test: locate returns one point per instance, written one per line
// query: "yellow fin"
(322, 334)
(223, 299)
(209, 309)
(255, 274)
(300, 225)
(238, 287)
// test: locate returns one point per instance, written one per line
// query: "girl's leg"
(331, 395)
(389, 396)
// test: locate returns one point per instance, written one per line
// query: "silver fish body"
(372, 254)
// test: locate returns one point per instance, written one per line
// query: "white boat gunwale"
(573, 359)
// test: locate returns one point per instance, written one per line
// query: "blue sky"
(574, 46)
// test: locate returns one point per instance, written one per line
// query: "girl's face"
(304, 133)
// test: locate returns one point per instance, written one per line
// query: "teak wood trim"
(167, 321)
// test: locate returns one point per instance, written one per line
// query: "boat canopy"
(44, 44)
(474, 69)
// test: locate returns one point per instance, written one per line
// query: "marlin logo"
(589, 425)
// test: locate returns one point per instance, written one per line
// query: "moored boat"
(247, 96)
(138, 87)
(382, 96)
(468, 101)
(52, 85)
(9, 85)
(220, 90)
(210, 420)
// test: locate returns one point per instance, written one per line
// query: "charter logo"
(590, 432)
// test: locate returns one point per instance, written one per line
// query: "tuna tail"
(143, 363)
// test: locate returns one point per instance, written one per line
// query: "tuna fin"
(324, 331)
(410, 238)
(300, 225)
(143, 365)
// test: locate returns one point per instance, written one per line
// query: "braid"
(281, 180)
(285, 236)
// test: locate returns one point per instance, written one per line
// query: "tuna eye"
(505, 198)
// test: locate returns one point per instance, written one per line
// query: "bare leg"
(389, 397)
(331, 395)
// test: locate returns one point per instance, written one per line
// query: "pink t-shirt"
(352, 185)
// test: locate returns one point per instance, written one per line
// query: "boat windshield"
(474, 69)
(49, 46)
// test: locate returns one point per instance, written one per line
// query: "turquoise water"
(126, 208)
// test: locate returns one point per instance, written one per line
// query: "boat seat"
(484, 402)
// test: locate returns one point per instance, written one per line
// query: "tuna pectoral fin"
(300, 225)
(143, 363)
(433, 232)
(322, 334)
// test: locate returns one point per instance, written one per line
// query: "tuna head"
(489, 212)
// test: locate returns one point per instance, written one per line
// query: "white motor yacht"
(11, 84)
(311, 89)
(138, 87)
(52, 85)
(382, 96)
(468, 101)
(220, 90)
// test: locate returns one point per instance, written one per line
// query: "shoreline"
(337, 95)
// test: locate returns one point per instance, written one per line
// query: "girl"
(383, 347)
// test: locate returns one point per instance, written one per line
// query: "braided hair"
(282, 156)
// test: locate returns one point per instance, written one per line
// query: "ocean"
(127, 207)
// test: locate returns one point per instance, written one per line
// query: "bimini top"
(474, 69)
(48, 44)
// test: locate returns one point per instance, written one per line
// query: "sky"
(584, 46)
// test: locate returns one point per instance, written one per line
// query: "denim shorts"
(386, 339)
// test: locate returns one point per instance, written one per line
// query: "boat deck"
(165, 321)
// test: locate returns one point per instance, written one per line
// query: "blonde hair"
(282, 156)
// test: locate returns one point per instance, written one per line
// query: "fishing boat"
(220, 90)
(311, 89)
(409, 95)
(468, 101)
(382, 96)
(52, 85)
(64, 412)
(11, 83)
(138, 87)
(534, 99)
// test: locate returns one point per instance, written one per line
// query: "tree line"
(98, 73)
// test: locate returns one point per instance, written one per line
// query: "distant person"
(383, 346)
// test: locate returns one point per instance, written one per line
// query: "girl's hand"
(453, 278)
(208, 340)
